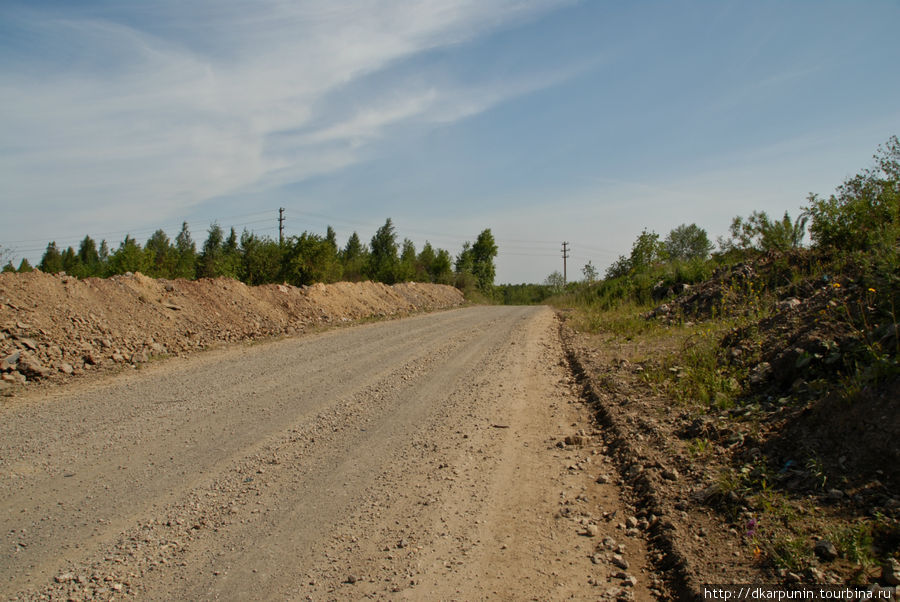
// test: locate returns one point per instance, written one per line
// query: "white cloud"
(367, 124)
(149, 114)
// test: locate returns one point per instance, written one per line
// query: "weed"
(817, 471)
(624, 321)
(701, 377)
(854, 542)
(729, 484)
(699, 447)
(789, 552)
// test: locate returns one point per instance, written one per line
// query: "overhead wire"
(516, 247)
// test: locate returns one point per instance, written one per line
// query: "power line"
(512, 247)
(148, 229)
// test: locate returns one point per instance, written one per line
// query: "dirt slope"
(55, 326)
(422, 458)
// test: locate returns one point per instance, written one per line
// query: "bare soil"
(691, 544)
(55, 327)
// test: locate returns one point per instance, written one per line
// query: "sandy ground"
(420, 458)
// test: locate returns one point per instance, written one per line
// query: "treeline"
(523, 294)
(856, 229)
(299, 260)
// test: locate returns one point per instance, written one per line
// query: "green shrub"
(864, 213)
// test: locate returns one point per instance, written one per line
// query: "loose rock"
(8, 364)
(825, 550)
(670, 474)
(619, 561)
(890, 572)
(575, 440)
(31, 367)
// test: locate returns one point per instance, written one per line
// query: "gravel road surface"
(409, 459)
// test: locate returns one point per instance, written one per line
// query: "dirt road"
(410, 459)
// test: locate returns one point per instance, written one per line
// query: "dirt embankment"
(755, 414)
(56, 326)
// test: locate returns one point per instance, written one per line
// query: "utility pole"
(565, 255)
(281, 226)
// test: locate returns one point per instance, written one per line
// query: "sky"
(543, 120)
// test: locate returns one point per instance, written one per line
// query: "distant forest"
(298, 260)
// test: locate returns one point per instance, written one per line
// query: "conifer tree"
(383, 261)
(354, 258)
(185, 254)
(211, 260)
(51, 262)
(406, 270)
(424, 263)
(89, 258)
(161, 256)
(442, 268)
(70, 262)
(331, 239)
(231, 256)
(104, 256)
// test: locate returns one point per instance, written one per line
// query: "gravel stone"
(825, 550)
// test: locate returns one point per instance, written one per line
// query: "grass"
(695, 375)
(699, 448)
(625, 321)
(703, 379)
(687, 360)
(789, 552)
(854, 542)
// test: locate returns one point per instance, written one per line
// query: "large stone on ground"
(8, 364)
(825, 550)
(31, 367)
(890, 572)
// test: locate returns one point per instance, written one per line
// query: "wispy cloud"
(148, 113)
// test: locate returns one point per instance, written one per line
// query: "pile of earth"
(806, 458)
(799, 357)
(55, 326)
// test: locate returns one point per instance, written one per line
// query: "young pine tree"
(383, 261)
(51, 262)
(185, 254)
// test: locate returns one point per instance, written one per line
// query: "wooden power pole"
(565, 255)
(281, 226)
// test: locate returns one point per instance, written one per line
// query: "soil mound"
(807, 332)
(56, 326)
(760, 407)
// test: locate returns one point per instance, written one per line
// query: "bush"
(864, 214)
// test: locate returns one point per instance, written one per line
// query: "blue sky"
(544, 120)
